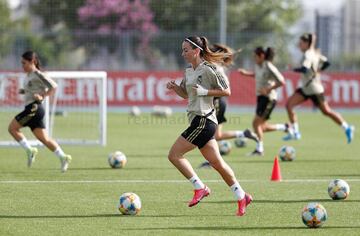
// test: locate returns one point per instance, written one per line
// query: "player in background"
(37, 86)
(312, 64)
(268, 79)
(220, 103)
(203, 82)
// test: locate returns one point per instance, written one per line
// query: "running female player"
(268, 79)
(38, 85)
(201, 84)
(311, 65)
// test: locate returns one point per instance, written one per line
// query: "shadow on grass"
(90, 168)
(102, 216)
(303, 200)
(271, 160)
(340, 175)
(112, 169)
(141, 155)
(283, 201)
(58, 216)
(212, 228)
(150, 168)
(92, 216)
(224, 228)
(321, 161)
(253, 160)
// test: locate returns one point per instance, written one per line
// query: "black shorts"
(220, 108)
(200, 131)
(315, 98)
(32, 116)
(264, 107)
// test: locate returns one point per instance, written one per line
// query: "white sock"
(291, 129)
(239, 134)
(296, 127)
(25, 144)
(196, 182)
(237, 190)
(260, 146)
(59, 152)
(280, 127)
(344, 125)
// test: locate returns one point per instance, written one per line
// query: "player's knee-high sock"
(25, 144)
(59, 152)
(280, 127)
(296, 127)
(239, 134)
(345, 125)
(196, 182)
(260, 146)
(237, 190)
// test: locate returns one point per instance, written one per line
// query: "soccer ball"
(224, 147)
(287, 153)
(117, 159)
(338, 189)
(240, 142)
(161, 111)
(314, 215)
(129, 204)
(135, 111)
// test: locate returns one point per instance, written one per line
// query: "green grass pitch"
(83, 201)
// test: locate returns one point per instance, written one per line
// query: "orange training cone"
(276, 173)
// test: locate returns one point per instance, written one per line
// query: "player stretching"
(311, 66)
(268, 79)
(37, 87)
(220, 102)
(202, 82)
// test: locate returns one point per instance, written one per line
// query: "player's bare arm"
(178, 90)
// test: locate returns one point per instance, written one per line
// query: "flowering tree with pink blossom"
(116, 17)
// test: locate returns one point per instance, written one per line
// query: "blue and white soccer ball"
(287, 153)
(224, 147)
(338, 189)
(117, 159)
(240, 142)
(129, 204)
(314, 215)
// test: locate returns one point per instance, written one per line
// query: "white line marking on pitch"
(156, 181)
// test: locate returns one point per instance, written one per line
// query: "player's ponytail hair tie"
(268, 53)
(32, 56)
(309, 38)
(193, 43)
(228, 52)
(205, 53)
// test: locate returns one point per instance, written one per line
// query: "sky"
(310, 6)
(322, 4)
(13, 3)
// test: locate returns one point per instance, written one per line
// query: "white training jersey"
(267, 75)
(37, 82)
(310, 81)
(222, 71)
(208, 76)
